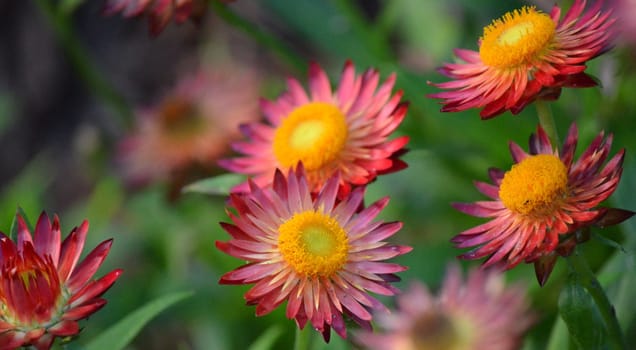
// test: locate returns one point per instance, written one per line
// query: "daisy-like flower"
(192, 127)
(545, 196)
(346, 131)
(479, 314)
(319, 254)
(43, 289)
(526, 55)
(159, 12)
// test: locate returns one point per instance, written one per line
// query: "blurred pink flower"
(543, 197)
(478, 314)
(159, 12)
(43, 292)
(626, 12)
(328, 131)
(527, 55)
(320, 254)
(192, 126)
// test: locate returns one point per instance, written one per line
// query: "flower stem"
(303, 339)
(260, 36)
(60, 21)
(593, 287)
(547, 121)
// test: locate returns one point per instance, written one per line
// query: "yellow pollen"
(314, 133)
(517, 38)
(536, 186)
(313, 244)
(26, 276)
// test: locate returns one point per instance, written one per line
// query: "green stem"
(260, 36)
(590, 283)
(80, 60)
(304, 338)
(547, 121)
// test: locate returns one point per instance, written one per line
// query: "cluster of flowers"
(309, 240)
(301, 225)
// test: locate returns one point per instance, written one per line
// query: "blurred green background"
(59, 140)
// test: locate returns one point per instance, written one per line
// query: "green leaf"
(69, 6)
(558, 336)
(581, 316)
(120, 334)
(266, 340)
(13, 235)
(217, 185)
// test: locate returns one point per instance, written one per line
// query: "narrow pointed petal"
(87, 268)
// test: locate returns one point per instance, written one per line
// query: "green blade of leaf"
(120, 334)
(558, 336)
(581, 316)
(217, 185)
(266, 340)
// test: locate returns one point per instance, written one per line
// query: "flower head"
(43, 289)
(525, 55)
(346, 131)
(192, 126)
(159, 12)
(543, 198)
(479, 314)
(320, 254)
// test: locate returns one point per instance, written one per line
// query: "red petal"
(95, 288)
(87, 268)
(613, 216)
(71, 251)
(47, 237)
(80, 312)
(543, 268)
(64, 328)
(24, 236)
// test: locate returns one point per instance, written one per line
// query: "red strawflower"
(44, 292)
(527, 55)
(544, 197)
(159, 12)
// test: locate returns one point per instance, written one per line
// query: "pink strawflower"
(328, 131)
(545, 196)
(192, 126)
(319, 254)
(43, 290)
(527, 55)
(478, 314)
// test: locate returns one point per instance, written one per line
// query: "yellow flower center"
(516, 38)
(179, 118)
(436, 330)
(314, 133)
(536, 186)
(313, 244)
